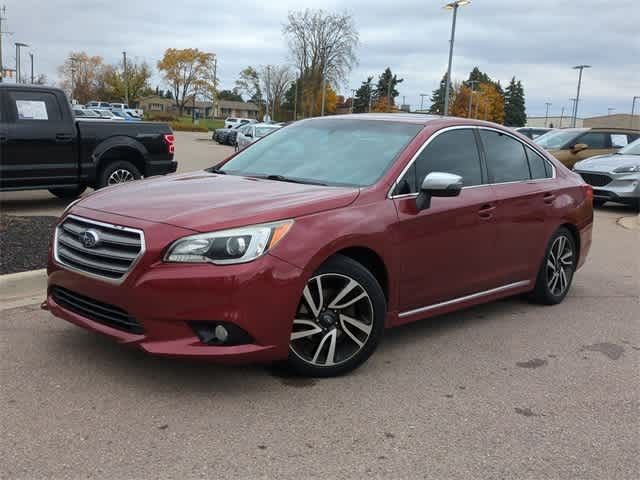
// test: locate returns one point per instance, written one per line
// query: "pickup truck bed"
(42, 145)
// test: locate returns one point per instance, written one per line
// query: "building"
(203, 109)
(618, 120)
(157, 104)
(230, 108)
(552, 122)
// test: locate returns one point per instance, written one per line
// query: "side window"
(34, 106)
(539, 167)
(595, 140)
(619, 140)
(407, 183)
(456, 152)
(506, 159)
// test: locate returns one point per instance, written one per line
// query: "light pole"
(422, 95)
(561, 116)
(324, 92)
(31, 56)
(546, 115)
(126, 79)
(18, 46)
(473, 83)
(609, 110)
(451, 6)
(575, 109)
(295, 104)
(353, 97)
(633, 108)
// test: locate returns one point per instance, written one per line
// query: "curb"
(22, 288)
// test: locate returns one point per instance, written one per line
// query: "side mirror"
(578, 147)
(438, 184)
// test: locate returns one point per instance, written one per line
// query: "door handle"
(549, 198)
(63, 137)
(486, 211)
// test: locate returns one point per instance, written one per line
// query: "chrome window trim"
(115, 281)
(469, 127)
(465, 298)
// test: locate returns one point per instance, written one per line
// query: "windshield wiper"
(282, 178)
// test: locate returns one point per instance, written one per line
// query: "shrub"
(160, 117)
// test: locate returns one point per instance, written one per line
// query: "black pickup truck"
(42, 145)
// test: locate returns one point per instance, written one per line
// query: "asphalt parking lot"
(505, 390)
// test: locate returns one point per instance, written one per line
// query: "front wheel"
(557, 269)
(68, 193)
(339, 321)
(121, 171)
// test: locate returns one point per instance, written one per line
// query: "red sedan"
(309, 243)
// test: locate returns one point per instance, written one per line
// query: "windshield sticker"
(31, 110)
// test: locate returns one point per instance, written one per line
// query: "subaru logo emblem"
(90, 238)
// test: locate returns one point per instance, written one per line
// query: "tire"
(556, 261)
(68, 193)
(598, 202)
(635, 204)
(122, 169)
(326, 341)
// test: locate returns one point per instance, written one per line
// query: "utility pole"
(561, 116)
(324, 91)
(267, 95)
(353, 97)
(31, 56)
(369, 97)
(295, 103)
(3, 11)
(546, 115)
(389, 93)
(73, 72)
(473, 84)
(18, 69)
(126, 79)
(422, 95)
(633, 108)
(575, 110)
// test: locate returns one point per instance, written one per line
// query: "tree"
(84, 72)
(486, 103)
(189, 72)
(515, 114)
(275, 80)
(135, 86)
(387, 83)
(362, 96)
(437, 97)
(248, 84)
(41, 79)
(322, 47)
(232, 95)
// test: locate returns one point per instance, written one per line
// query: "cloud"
(536, 41)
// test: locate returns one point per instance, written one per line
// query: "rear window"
(35, 106)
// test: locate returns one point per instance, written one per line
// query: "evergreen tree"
(515, 114)
(437, 97)
(168, 94)
(479, 76)
(230, 95)
(365, 93)
(387, 83)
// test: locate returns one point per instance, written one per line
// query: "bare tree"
(275, 80)
(321, 45)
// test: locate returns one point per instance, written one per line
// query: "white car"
(252, 132)
(119, 106)
(231, 122)
(97, 104)
(107, 114)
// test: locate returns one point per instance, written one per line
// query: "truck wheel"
(68, 193)
(118, 172)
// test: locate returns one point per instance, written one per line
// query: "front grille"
(97, 311)
(596, 179)
(111, 256)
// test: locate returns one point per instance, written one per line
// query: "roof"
(235, 105)
(29, 85)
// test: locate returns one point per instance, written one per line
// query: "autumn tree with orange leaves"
(486, 103)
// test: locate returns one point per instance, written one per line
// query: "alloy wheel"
(333, 322)
(559, 265)
(120, 176)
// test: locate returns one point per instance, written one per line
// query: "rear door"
(524, 197)
(40, 150)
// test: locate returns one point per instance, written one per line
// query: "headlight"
(627, 169)
(239, 245)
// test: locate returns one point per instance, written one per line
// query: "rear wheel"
(339, 321)
(68, 193)
(117, 172)
(556, 272)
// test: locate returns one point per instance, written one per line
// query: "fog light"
(221, 333)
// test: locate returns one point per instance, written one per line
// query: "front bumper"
(260, 297)
(621, 187)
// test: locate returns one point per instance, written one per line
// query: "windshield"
(632, 149)
(262, 131)
(331, 151)
(557, 139)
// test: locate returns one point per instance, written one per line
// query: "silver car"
(252, 132)
(614, 177)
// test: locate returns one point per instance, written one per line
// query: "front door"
(448, 250)
(39, 150)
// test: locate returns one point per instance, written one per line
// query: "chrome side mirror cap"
(438, 184)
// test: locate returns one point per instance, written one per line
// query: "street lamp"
(452, 6)
(575, 111)
(546, 115)
(633, 108)
(18, 46)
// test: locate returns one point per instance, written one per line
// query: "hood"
(203, 201)
(606, 163)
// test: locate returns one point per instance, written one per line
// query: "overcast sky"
(536, 40)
